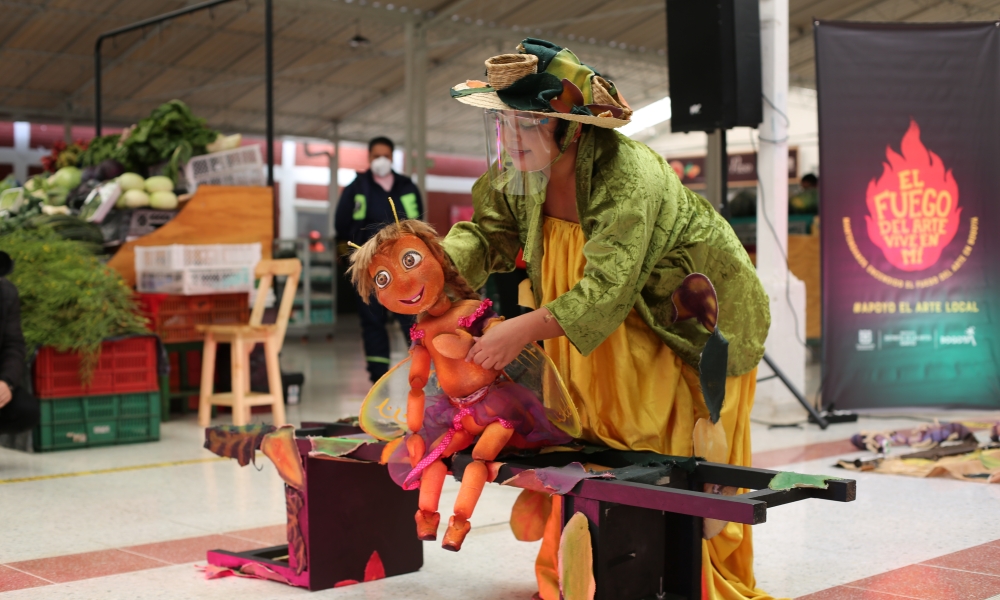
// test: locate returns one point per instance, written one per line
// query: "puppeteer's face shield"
(521, 148)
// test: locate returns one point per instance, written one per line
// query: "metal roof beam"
(603, 15)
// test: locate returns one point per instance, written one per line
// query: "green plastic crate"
(98, 421)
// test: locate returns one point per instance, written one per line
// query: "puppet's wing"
(383, 412)
(535, 370)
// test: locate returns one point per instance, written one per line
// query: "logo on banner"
(964, 339)
(913, 205)
(914, 214)
(866, 341)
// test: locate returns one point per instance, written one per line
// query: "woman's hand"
(502, 342)
(498, 346)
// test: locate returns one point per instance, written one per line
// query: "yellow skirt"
(634, 393)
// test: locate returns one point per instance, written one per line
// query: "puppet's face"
(408, 278)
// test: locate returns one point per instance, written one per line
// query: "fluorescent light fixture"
(648, 116)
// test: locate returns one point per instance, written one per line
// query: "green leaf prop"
(69, 300)
(787, 480)
(714, 360)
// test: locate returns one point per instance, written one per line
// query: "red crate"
(175, 318)
(127, 365)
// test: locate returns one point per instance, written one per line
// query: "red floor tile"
(849, 593)
(933, 583)
(192, 549)
(980, 559)
(74, 567)
(275, 535)
(786, 456)
(11, 580)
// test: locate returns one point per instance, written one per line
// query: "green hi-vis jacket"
(645, 233)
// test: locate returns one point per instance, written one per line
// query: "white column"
(409, 60)
(420, 102)
(713, 168)
(286, 198)
(333, 190)
(22, 145)
(786, 338)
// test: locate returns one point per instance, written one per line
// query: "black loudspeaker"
(713, 53)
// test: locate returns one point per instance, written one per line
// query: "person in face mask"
(362, 211)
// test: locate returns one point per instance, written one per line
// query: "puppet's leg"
(494, 438)
(427, 517)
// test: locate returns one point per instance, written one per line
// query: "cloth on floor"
(979, 466)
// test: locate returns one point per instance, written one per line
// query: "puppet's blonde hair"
(362, 258)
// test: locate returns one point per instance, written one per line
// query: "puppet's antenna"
(353, 245)
(393, 206)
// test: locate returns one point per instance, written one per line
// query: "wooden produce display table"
(215, 215)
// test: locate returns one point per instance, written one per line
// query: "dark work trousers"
(374, 319)
(21, 413)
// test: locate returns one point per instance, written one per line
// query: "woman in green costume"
(608, 233)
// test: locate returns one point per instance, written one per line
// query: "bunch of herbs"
(69, 299)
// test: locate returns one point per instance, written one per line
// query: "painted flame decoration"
(913, 205)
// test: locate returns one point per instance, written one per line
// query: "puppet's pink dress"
(511, 404)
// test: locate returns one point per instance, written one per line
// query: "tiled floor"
(134, 521)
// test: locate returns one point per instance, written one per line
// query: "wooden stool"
(242, 339)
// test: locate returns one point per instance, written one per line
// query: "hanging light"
(358, 41)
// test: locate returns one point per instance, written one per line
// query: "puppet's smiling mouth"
(414, 299)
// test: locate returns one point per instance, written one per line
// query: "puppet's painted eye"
(382, 279)
(411, 259)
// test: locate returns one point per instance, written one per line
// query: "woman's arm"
(487, 244)
(501, 343)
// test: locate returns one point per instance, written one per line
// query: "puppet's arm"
(420, 369)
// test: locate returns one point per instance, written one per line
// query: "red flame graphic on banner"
(913, 205)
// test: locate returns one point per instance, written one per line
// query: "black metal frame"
(268, 65)
(646, 525)
(814, 415)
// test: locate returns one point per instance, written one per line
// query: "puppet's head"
(405, 266)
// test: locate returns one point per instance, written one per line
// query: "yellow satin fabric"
(633, 392)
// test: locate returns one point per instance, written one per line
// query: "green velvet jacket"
(645, 233)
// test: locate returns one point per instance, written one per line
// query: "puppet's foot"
(458, 528)
(427, 525)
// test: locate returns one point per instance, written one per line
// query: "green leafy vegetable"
(69, 300)
(100, 149)
(171, 134)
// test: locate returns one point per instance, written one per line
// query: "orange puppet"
(451, 403)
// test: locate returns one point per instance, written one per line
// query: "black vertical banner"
(909, 131)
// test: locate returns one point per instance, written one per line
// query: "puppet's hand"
(498, 346)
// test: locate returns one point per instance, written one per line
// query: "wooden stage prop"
(645, 524)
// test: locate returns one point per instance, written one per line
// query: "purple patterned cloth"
(508, 402)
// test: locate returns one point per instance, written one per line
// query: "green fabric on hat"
(531, 92)
(544, 50)
(566, 65)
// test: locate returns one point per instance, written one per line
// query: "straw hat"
(548, 80)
